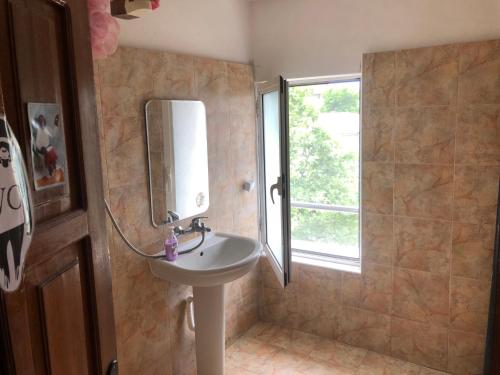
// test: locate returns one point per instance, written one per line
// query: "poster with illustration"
(47, 145)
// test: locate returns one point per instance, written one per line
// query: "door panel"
(61, 320)
(273, 175)
(41, 28)
(53, 310)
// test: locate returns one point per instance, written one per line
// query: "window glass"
(324, 168)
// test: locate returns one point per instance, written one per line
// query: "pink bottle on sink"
(170, 246)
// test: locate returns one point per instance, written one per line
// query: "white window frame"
(317, 258)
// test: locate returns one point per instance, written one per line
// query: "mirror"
(176, 136)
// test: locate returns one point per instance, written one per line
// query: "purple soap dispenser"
(171, 246)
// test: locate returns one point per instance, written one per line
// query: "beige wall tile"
(126, 81)
(423, 191)
(212, 84)
(425, 135)
(431, 164)
(372, 290)
(466, 353)
(421, 296)
(420, 343)
(384, 365)
(378, 181)
(173, 76)
(365, 329)
(379, 71)
(378, 134)
(427, 76)
(378, 239)
(473, 250)
(338, 354)
(478, 135)
(476, 194)
(423, 244)
(469, 305)
(479, 67)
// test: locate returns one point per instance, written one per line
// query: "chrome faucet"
(197, 226)
(172, 217)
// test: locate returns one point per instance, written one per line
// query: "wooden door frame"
(92, 223)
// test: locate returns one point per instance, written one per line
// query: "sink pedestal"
(210, 329)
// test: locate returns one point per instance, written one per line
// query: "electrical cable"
(135, 249)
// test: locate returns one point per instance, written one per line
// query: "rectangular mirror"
(176, 135)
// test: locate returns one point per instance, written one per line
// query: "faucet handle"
(198, 226)
(197, 219)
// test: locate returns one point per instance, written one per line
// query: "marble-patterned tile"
(130, 67)
(338, 354)
(378, 134)
(469, 304)
(379, 72)
(423, 191)
(478, 135)
(466, 353)
(123, 168)
(173, 76)
(473, 250)
(118, 130)
(365, 329)
(430, 371)
(420, 343)
(425, 135)
(211, 84)
(126, 81)
(378, 182)
(479, 67)
(378, 239)
(377, 364)
(421, 296)
(124, 101)
(427, 76)
(476, 194)
(284, 362)
(133, 215)
(315, 302)
(370, 290)
(423, 244)
(241, 88)
(251, 354)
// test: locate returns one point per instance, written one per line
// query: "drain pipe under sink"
(190, 313)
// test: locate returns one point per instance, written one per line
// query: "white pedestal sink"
(221, 259)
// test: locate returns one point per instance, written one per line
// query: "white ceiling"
(300, 38)
(212, 28)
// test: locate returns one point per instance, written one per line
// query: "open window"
(309, 169)
(274, 175)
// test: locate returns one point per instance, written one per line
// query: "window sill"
(325, 262)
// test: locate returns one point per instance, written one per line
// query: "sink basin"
(221, 259)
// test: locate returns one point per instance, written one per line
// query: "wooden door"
(60, 321)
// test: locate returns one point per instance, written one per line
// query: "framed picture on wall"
(48, 148)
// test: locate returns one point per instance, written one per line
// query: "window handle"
(276, 186)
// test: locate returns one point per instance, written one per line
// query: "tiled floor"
(269, 350)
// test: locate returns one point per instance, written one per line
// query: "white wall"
(212, 28)
(304, 38)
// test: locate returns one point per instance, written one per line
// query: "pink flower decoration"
(104, 29)
(155, 4)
